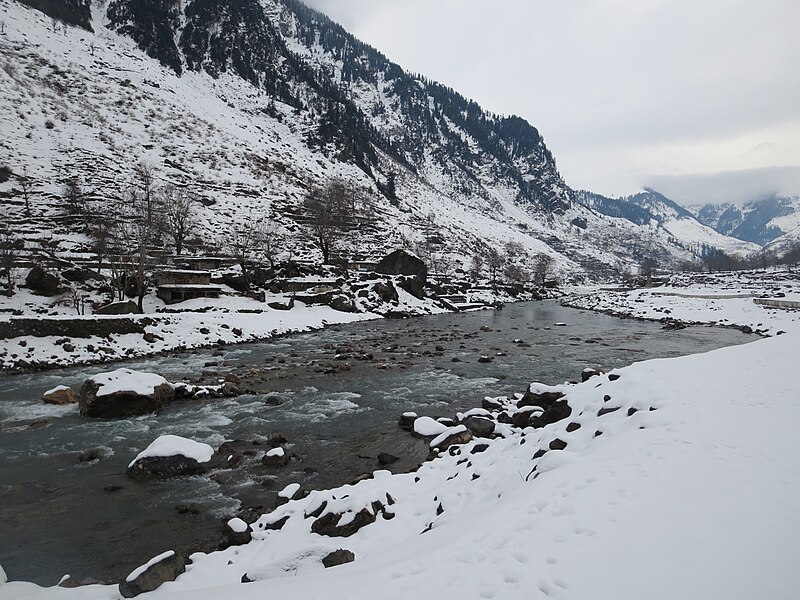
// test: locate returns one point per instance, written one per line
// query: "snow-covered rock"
(170, 456)
(124, 393)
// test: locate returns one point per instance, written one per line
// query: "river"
(59, 515)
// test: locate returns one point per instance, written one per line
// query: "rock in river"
(170, 456)
(124, 393)
(60, 395)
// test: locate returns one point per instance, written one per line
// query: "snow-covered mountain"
(653, 210)
(251, 103)
(762, 221)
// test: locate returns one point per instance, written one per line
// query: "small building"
(362, 266)
(204, 262)
(175, 285)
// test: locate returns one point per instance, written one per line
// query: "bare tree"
(542, 269)
(243, 243)
(8, 258)
(269, 240)
(494, 262)
(647, 270)
(514, 273)
(179, 214)
(476, 267)
(331, 211)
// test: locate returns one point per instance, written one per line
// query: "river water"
(58, 515)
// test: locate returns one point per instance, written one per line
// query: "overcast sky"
(699, 98)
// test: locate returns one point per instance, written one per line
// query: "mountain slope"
(760, 222)
(250, 104)
(650, 208)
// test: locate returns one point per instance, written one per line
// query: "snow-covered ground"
(679, 477)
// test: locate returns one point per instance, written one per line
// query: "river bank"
(336, 423)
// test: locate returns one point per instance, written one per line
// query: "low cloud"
(735, 187)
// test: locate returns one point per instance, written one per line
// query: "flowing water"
(59, 515)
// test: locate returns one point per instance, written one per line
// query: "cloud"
(735, 187)
(620, 89)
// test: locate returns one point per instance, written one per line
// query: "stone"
(385, 458)
(558, 444)
(41, 281)
(328, 525)
(386, 291)
(401, 262)
(338, 557)
(485, 359)
(343, 304)
(159, 468)
(60, 396)
(276, 439)
(122, 403)
(273, 400)
(119, 308)
(406, 421)
(456, 438)
(235, 533)
(491, 404)
(93, 454)
(162, 571)
(542, 400)
(480, 426)
(557, 411)
(588, 373)
(276, 460)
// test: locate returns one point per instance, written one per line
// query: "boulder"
(329, 524)
(78, 275)
(386, 291)
(157, 468)
(401, 262)
(162, 568)
(119, 308)
(124, 393)
(539, 396)
(276, 458)
(338, 557)
(236, 533)
(413, 284)
(61, 396)
(589, 372)
(343, 304)
(453, 436)
(171, 456)
(480, 426)
(41, 281)
(557, 411)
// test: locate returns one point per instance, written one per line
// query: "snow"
(58, 388)
(449, 432)
(426, 426)
(127, 380)
(3, 576)
(153, 561)
(692, 486)
(276, 452)
(173, 445)
(237, 525)
(289, 491)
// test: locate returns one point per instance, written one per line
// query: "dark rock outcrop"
(158, 468)
(338, 557)
(41, 281)
(166, 569)
(123, 403)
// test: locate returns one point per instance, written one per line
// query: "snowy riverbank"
(675, 476)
